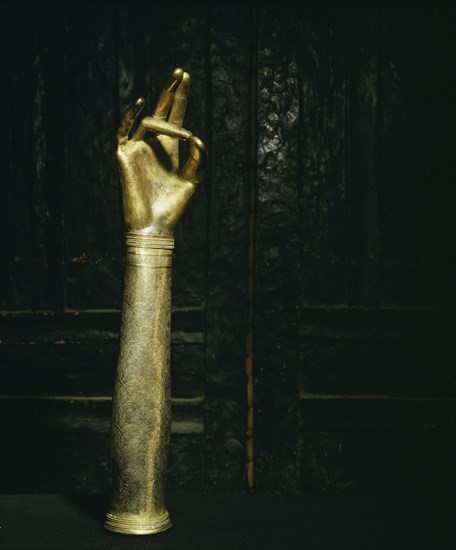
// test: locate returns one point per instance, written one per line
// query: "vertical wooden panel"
(322, 154)
(277, 243)
(436, 110)
(15, 135)
(92, 196)
(363, 153)
(230, 48)
(399, 190)
(417, 150)
(48, 179)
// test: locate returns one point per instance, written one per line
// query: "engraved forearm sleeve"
(141, 403)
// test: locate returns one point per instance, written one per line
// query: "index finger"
(160, 127)
(128, 120)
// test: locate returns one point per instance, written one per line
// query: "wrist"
(147, 241)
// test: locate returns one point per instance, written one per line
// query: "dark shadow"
(94, 506)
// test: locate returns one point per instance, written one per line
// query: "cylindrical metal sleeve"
(141, 416)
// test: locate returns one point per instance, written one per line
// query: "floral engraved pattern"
(141, 402)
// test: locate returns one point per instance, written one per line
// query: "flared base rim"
(130, 524)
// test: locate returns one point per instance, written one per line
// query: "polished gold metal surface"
(155, 195)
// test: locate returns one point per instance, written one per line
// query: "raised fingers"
(179, 105)
(194, 167)
(128, 120)
(166, 98)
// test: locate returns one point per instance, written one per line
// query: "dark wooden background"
(324, 230)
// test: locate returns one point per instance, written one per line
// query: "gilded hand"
(155, 193)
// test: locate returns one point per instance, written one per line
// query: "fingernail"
(198, 143)
(175, 79)
(186, 134)
(186, 80)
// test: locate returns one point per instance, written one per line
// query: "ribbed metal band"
(130, 524)
(138, 240)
